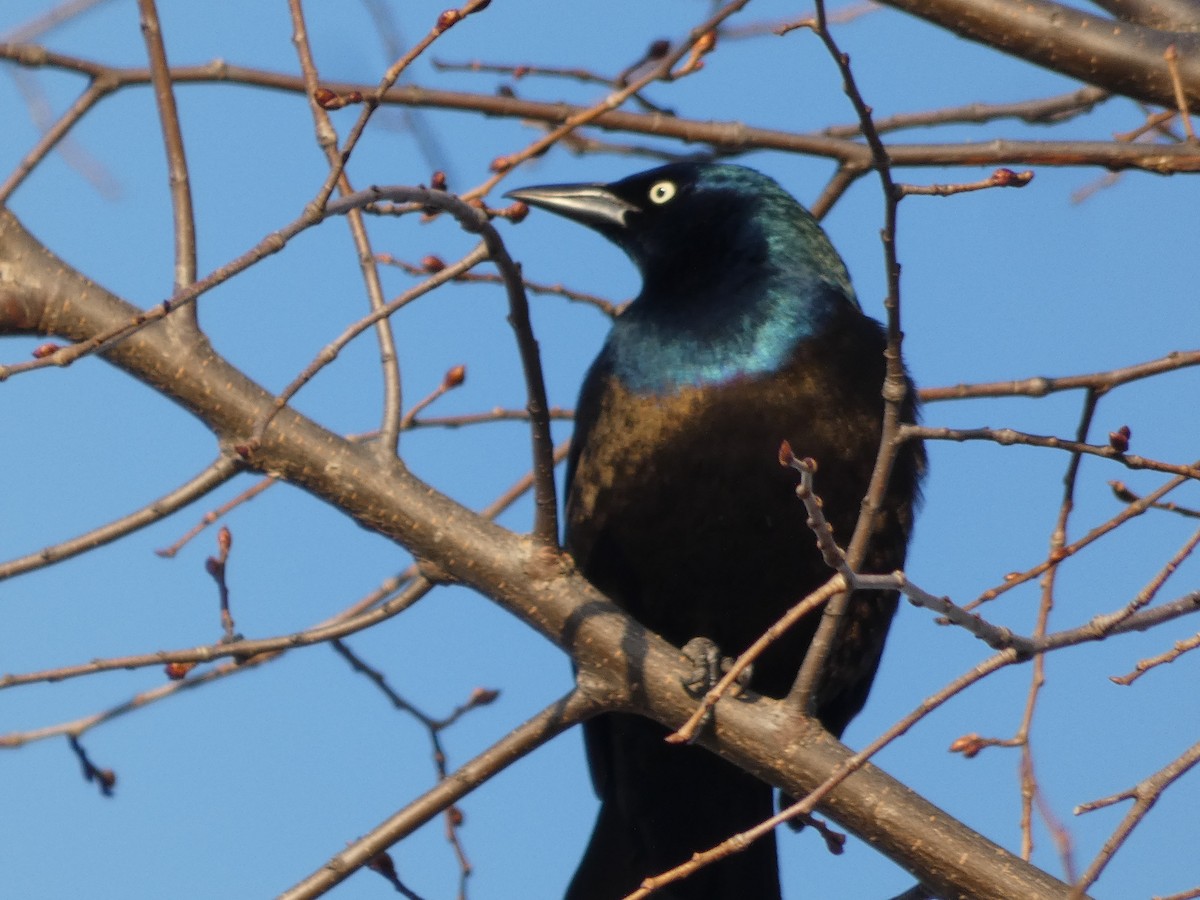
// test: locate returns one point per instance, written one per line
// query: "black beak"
(594, 205)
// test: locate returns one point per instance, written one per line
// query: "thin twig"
(1171, 55)
(1041, 386)
(432, 264)
(1144, 795)
(177, 169)
(999, 178)
(550, 722)
(1179, 649)
(1007, 437)
(214, 475)
(330, 351)
(1134, 509)
(389, 428)
(894, 389)
(357, 617)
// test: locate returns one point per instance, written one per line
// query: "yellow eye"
(662, 192)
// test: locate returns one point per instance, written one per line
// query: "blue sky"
(241, 789)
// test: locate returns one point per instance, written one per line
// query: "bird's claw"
(708, 665)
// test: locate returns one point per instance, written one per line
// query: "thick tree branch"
(1121, 57)
(1169, 15)
(621, 665)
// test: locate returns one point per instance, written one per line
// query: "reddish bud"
(501, 164)
(432, 263)
(786, 456)
(327, 99)
(107, 779)
(455, 815)
(177, 671)
(520, 71)
(455, 377)
(224, 540)
(479, 7)
(1119, 439)
(517, 212)
(1009, 178)
(658, 49)
(438, 181)
(969, 745)
(482, 696)
(447, 20)
(45, 350)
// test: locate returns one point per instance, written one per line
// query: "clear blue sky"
(243, 788)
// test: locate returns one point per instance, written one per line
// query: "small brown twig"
(214, 475)
(497, 414)
(455, 377)
(1148, 593)
(1186, 895)
(1122, 492)
(1153, 662)
(1153, 122)
(326, 136)
(516, 744)
(431, 264)
(1130, 511)
(583, 76)
(1031, 794)
(699, 41)
(478, 698)
(393, 597)
(1171, 55)
(177, 168)
(894, 389)
(1042, 386)
(999, 178)
(214, 515)
(333, 349)
(843, 179)
(1008, 437)
(1050, 110)
(1144, 795)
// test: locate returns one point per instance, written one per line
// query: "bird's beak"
(593, 205)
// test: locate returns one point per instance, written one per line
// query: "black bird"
(746, 332)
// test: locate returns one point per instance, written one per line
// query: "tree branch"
(620, 664)
(1124, 58)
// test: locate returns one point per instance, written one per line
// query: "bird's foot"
(708, 666)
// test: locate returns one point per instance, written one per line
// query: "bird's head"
(692, 224)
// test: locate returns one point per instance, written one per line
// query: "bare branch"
(213, 476)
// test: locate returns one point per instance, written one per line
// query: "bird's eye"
(661, 192)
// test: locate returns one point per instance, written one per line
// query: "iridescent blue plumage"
(769, 278)
(746, 333)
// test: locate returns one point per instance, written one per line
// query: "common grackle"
(746, 332)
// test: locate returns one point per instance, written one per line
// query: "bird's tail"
(661, 803)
